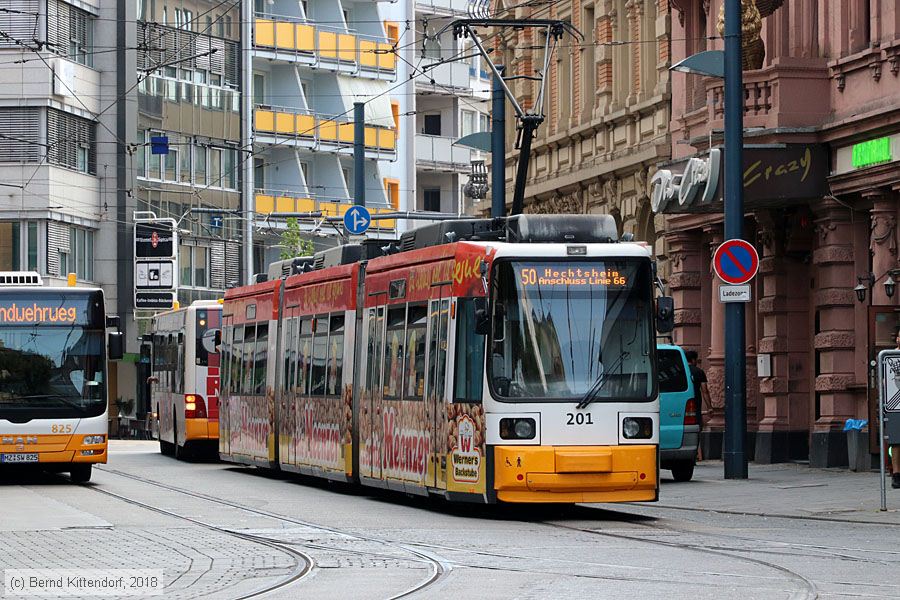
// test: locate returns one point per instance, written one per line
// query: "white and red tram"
(482, 360)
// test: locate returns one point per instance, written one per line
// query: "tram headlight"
(517, 429)
(637, 428)
(93, 439)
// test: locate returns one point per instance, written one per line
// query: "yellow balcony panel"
(384, 223)
(284, 123)
(265, 33)
(343, 208)
(265, 120)
(345, 132)
(367, 55)
(371, 137)
(284, 204)
(265, 204)
(327, 44)
(306, 125)
(305, 36)
(284, 36)
(328, 130)
(346, 47)
(329, 209)
(306, 205)
(386, 57)
(386, 139)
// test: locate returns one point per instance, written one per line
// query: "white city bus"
(185, 380)
(53, 384)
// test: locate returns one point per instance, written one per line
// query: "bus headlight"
(637, 428)
(517, 429)
(93, 439)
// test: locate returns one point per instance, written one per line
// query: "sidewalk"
(791, 490)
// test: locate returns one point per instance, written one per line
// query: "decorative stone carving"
(823, 229)
(884, 232)
(557, 204)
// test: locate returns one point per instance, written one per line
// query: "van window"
(672, 377)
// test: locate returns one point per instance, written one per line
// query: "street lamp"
(727, 65)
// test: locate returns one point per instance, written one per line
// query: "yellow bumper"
(57, 448)
(201, 429)
(575, 473)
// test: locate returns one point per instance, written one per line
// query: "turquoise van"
(679, 428)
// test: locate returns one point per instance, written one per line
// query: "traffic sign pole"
(734, 455)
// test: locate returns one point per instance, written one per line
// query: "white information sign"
(734, 293)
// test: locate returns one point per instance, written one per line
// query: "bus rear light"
(690, 412)
(194, 407)
(93, 439)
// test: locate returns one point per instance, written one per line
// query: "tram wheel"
(80, 473)
(683, 470)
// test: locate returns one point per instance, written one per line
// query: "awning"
(373, 93)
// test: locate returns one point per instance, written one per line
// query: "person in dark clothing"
(701, 391)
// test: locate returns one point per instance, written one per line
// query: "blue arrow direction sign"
(357, 220)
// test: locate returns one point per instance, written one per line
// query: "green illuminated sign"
(873, 152)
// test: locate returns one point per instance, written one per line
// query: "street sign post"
(736, 262)
(357, 220)
(155, 262)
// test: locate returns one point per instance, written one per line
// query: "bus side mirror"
(116, 342)
(665, 314)
(482, 317)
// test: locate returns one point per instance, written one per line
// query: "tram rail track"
(439, 567)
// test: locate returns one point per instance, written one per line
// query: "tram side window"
(437, 362)
(395, 340)
(371, 379)
(320, 346)
(469, 355)
(286, 354)
(335, 356)
(304, 356)
(224, 357)
(259, 374)
(237, 358)
(416, 328)
(248, 359)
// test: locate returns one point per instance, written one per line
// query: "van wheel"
(80, 473)
(683, 470)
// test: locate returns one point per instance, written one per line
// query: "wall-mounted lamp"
(860, 288)
(890, 286)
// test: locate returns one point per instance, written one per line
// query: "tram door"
(883, 322)
(436, 394)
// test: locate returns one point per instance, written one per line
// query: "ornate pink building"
(822, 176)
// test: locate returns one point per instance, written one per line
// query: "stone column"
(883, 243)
(835, 341)
(771, 438)
(714, 422)
(684, 285)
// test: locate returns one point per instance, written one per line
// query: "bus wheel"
(166, 449)
(80, 473)
(180, 452)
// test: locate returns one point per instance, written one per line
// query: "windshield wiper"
(594, 391)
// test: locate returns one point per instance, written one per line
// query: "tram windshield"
(563, 330)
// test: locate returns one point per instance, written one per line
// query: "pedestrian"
(894, 449)
(701, 391)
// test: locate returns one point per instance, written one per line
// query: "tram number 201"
(579, 419)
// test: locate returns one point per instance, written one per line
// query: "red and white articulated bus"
(480, 360)
(185, 380)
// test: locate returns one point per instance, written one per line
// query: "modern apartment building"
(452, 91)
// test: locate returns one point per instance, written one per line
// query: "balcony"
(448, 78)
(437, 153)
(269, 202)
(315, 132)
(449, 7)
(297, 41)
(791, 94)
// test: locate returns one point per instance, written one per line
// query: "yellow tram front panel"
(625, 473)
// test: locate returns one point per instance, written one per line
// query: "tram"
(482, 360)
(184, 390)
(53, 367)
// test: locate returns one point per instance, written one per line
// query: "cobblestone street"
(218, 531)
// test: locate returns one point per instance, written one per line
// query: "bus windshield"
(566, 330)
(51, 372)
